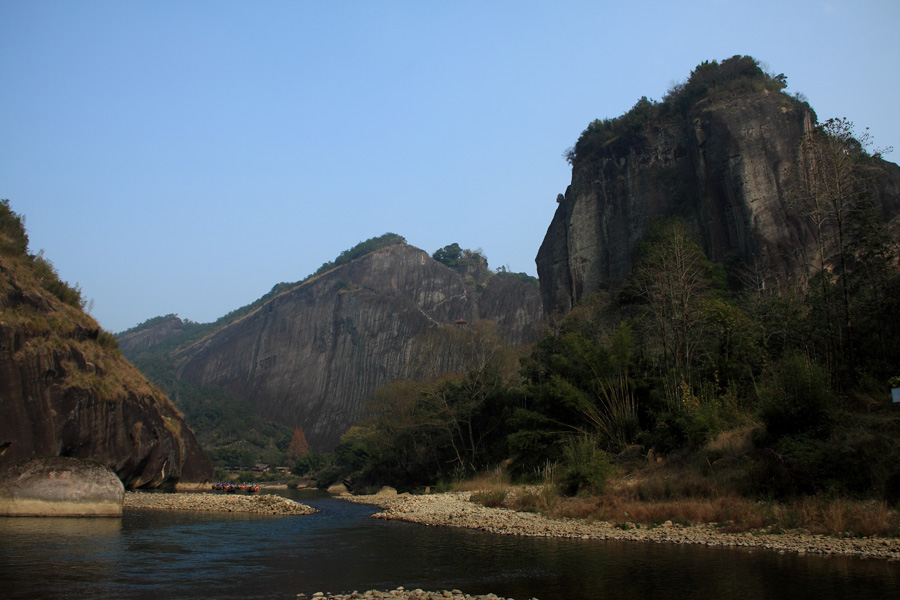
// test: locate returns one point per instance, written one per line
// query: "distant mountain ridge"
(312, 354)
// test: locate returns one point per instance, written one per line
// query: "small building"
(260, 468)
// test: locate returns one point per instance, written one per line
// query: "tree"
(298, 447)
(466, 366)
(448, 255)
(672, 279)
(831, 164)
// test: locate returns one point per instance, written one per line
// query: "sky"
(185, 156)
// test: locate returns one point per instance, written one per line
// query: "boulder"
(632, 455)
(60, 487)
(338, 489)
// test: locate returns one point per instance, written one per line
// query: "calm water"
(148, 554)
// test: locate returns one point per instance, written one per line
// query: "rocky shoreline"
(258, 504)
(453, 509)
(401, 594)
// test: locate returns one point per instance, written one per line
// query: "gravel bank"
(261, 504)
(453, 509)
(401, 594)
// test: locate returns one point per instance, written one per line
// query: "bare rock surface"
(259, 504)
(60, 487)
(727, 171)
(455, 510)
(64, 391)
(313, 355)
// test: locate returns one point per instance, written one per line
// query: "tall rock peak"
(723, 162)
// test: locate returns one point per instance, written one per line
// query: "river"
(157, 554)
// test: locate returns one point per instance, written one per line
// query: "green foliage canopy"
(710, 79)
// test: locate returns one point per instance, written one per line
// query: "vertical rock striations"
(726, 168)
(65, 389)
(313, 355)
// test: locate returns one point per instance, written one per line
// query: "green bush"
(797, 400)
(585, 467)
(49, 278)
(13, 239)
(735, 75)
(361, 249)
(311, 463)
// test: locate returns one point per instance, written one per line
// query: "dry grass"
(839, 517)
(489, 481)
(491, 499)
(686, 495)
(733, 442)
(535, 499)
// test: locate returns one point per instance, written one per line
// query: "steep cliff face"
(314, 354)
(727, 169)
(66, 391)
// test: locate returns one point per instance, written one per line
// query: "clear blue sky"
(183, 157)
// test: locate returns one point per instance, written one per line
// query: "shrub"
(51, 282)
(108, 342)
(490, 498)
(735, 75)
(585, 468)
(797, 400)
(541, 499)
(13, 239)
(361, 249)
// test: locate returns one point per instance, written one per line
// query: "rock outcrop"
(312, 355)
(60, 487)
(65, 389)
(727, 168)
(455, 509)
(261, 504)
(159, 331)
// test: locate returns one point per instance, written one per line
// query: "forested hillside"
(762, 383)
(306, 356)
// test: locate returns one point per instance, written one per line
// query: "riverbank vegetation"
(683, 493)
(733, 393)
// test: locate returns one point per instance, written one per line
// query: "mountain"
(65, 388)
(312, 354)
(721, 153)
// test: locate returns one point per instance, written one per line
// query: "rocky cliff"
(65, 390)
(313, 355)
(160, 330)
(726, 166)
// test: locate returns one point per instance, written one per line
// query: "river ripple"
(162, 554)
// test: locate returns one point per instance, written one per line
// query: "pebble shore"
(401, 594)
(454, 509)
(260, 504)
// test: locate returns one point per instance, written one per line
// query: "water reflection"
(148, 554)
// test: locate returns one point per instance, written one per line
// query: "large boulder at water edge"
(60, 487)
